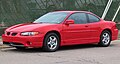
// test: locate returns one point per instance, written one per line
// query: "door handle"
(86, 26)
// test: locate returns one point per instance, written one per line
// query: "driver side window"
(79, 18)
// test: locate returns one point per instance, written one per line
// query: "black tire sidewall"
(45, 44)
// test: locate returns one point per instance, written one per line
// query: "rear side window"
(79, 18)
(93, 18)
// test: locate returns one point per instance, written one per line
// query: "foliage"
(20, 11)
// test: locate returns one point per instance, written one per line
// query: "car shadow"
(82, 46)
(29, 50)
(63, 48)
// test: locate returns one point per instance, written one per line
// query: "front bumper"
(22, 41)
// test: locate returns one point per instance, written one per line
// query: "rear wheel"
(51, 42)
(105, 39)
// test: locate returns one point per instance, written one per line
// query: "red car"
(60, 28)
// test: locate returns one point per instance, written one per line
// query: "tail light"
(115, 26)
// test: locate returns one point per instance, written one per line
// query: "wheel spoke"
(106, 41)
(54, 39)
(106, 38)
(51, 46)
(103, 39)
(49, 42)
(55, 44)
(104, 35)
(51, 39)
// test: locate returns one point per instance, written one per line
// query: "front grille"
(14, 34)
(11, 33)
(8, 33)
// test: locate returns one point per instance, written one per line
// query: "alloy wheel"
(52, 42)
(106, 38)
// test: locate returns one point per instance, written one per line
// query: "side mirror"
(67, 22)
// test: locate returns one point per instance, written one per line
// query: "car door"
(93, 28)
(76, 33)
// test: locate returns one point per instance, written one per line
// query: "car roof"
(73, 11)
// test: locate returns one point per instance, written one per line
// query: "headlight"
(29, 33)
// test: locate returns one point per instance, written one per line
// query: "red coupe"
(60, 28)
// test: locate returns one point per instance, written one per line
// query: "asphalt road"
(80, 54)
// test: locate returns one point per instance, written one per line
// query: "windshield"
(52, 17)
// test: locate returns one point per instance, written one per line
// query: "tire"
(105, 39)
(51, 42)
(20, 48)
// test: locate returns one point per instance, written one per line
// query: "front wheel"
(51, 42)
(105, 39)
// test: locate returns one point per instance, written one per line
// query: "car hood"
(26, 27)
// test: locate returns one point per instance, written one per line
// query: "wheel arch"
(45, 46)
(54, 31)
(107, 29)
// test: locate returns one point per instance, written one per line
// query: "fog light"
(29, 43)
